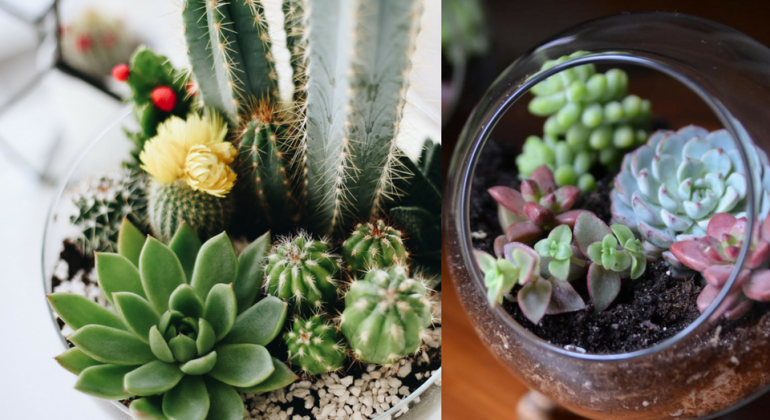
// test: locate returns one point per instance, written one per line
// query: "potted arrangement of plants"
(262, 254)
(618, 268)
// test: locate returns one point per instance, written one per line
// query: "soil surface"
(648, 310)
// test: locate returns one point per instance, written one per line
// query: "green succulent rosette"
(185, 338)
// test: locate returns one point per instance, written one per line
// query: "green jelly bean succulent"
(590, 120)
(614, 253)
(386, 315)
(315, 345)
(102, 204)
(303, 271)
(176, 342)
(373, 245)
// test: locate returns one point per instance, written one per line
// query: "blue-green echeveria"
(669, 189)
(186, 336)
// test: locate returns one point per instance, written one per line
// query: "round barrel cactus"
(373, 245)
(669, 189)
(302, 271)
(315, 345)
(386, 315)
(173, 203)
(175, 345)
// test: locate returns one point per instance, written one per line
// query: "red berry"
(164, 98)
(84, 43)
(120, 72)
(109, 39)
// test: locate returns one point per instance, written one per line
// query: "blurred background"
(56, 97)
(481, 38)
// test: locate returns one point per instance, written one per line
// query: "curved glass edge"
(462, 168)
(58, 195)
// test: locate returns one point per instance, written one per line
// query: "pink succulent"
(715, 255)
(538, 208)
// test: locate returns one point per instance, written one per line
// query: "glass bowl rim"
(59, 195)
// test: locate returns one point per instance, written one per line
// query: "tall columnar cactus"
(386, 315)
(303, 271)
(315, 345)
(373, 245)
(102, 204)
(350, 63)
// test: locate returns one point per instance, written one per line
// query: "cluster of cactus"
(93, 43)
(590, 119)
(386, 315)
(715, 256)
(303, 271)
(179, 342)
(350, 81)
(315, 345)
(669, 189)
(102, 204)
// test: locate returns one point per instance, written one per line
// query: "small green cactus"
(315, 345)
(102, 204)
(373, 245)
(302, 271)
(176, 202)
(386, 315)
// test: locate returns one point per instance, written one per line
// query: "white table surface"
(32, 385)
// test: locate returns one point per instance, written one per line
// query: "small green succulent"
(614, 252)
(177, 340)
(386, 315)
(315, 345)
(558, 248)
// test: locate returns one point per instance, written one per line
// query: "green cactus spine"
(170, 204)
(102, 204)
(302, 271)
(373, 245)
(264, 159)
(386, 315)
(229, 50)
(315, 345)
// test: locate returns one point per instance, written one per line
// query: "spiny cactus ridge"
(302, 271)
(315, 345)
(102, 204)
(386, 315)
(174, 203)
(373, 245)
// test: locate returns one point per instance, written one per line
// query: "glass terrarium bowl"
(105, 154)
(703, 370)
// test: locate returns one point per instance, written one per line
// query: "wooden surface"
(475, 385)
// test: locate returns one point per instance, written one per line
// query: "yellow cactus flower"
(192, 150)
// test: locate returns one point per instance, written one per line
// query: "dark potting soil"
(647, 311)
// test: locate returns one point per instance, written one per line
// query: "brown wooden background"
(475, 385)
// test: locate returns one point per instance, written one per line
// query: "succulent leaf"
(242, 365)
(185, 300)
(148, 408)
(188, 400)
(186, 246)
(130, 241)
(75, 361)
(159, 347)
(78, 311)
(104, 381)
(534, 299)
(110, 345)
(182, 347)
(207, 337)
(153, 378)
(116, 273)
(603, 286)
(259, 324)
(281, 377)
(221, 309)
(201, 365)
(216, 264)
(161, 273)
(589, 229)
(226, 403)
(564, 298)
(139, 316)
(251, 272)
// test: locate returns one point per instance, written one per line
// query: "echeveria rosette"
(715, 255)
(315, 345)
(540, 206)
(559, 257)
(177, 339)
(669, 189)
(614, 252)
(537, 297)
(387, 314)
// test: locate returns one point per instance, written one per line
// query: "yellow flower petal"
(206, 172)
